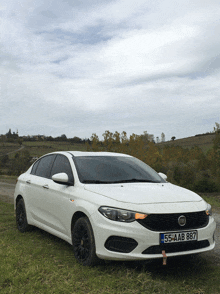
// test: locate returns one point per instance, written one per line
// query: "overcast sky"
(79, 67)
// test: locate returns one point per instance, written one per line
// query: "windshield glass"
(114, 169)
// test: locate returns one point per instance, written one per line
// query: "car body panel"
(145, 193)
(52, 206)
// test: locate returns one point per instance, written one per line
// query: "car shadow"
(178, 267)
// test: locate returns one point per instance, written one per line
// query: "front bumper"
(146, 243)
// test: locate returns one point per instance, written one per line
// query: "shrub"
(206, 185)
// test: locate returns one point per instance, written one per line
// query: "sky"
(78, 67)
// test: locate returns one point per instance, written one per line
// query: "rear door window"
(34, 168)
(43, 167)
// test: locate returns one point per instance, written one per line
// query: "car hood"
(144, 193)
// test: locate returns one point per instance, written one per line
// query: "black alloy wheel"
(21, 218)
(84, 243)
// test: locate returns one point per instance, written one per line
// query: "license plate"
(178, 237)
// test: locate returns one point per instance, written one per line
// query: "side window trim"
(50, 176)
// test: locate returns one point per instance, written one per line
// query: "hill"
(203, 141)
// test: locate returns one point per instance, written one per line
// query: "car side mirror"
(61, 178)
(163, 176)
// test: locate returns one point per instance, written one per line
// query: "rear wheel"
(21, 218)
(84, 242)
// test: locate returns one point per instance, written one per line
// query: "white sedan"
(112, 206)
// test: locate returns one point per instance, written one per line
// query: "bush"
(206, 186)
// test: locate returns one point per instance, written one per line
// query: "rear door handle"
(46, 187)
(28, 182)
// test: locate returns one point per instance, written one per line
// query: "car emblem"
(182, 220)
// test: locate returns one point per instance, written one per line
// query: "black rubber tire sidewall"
(21, 207)
(92, 259)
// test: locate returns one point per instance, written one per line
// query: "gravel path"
(7, 194)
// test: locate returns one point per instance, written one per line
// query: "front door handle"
(28, 182)
(46, 187)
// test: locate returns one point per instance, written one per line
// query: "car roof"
(87, 153)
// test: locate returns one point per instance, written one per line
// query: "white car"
(112, 206)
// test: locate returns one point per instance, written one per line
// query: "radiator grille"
(169, 222)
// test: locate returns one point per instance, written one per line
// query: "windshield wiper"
(119, 181)
(134, 180)
(95, 182)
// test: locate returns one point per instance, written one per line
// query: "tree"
(63, 137)
(76, 140)
(173, 138)
(162, 137)
(117, 138)
(108, 140)
(217, 128)
(95, 142)
(9, 134)
(124, 138)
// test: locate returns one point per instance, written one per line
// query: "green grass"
(37, 262)
(212, 198)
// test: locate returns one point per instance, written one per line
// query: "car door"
(57, 197)
(37, 188)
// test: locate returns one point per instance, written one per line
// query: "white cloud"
(99, 65)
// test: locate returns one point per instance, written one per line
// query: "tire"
(84, 242)
(21, 217)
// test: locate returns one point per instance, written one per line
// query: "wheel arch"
(75, 217)
(18, 198)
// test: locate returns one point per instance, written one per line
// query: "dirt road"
(7, 194)
(22, 147)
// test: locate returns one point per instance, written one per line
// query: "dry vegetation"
(190, 167)
(192, 162)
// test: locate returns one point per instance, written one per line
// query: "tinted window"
(34, 168)
(114, 169)
(62, 165)
(44, 166)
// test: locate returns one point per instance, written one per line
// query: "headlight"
(120, 215)
(208, 209)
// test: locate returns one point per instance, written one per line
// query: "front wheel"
(84, 242)
(21, 218)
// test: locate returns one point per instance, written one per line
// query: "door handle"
(46, 187)
(28, 182)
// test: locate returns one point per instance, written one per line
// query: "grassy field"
(37, 262)
(8, 147)
(205, 142)
(39, 148)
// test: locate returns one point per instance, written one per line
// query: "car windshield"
(114, 169)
